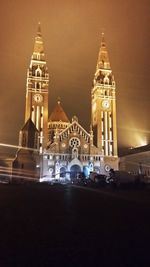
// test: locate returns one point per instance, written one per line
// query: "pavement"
(42, 225)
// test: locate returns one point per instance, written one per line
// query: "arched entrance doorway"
(75, 170)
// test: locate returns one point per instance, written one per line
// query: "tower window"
(106, 80)
(38, 72)
(38, 55)
(38, 85)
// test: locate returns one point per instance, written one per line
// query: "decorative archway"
(75, 170)
(74, 143)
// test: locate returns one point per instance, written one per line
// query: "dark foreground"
(44, 225)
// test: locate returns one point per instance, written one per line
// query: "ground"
(44, 225)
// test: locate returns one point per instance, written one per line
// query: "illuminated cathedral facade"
(65, 148)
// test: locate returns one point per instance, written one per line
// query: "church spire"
(37, 89)
(39, 29)
(104, 104)
(38, 51)
(103, 40)
(103, 74)
(103, 58)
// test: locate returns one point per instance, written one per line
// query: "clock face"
(38, 98)
(105, 104)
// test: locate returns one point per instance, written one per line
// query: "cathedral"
(56, 146)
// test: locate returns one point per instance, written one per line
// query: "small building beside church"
(27, 161)
(137, 161)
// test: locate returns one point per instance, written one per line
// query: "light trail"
(17, 177)
(18, 147)
(134, 129)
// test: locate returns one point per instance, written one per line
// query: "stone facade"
(65, 148)
(71, 151)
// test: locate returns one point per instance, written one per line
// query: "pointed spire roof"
(39, 29)
(103, 58)
(29, 126)
(29, 135)
(58, 113)
(38, 44)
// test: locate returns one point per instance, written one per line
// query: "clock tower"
(103, 105)
(37, 90)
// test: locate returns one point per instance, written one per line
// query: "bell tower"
(103, 105)
(37, 90)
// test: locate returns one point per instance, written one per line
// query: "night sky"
(71, 32)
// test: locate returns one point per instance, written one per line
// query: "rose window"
(74, 142)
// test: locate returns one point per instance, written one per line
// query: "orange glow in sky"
(71, 32)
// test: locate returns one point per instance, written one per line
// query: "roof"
(136, 150)
(29, 126)
(103, 58)
(58, 114)
(140, 149)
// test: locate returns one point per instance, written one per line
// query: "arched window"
(38, 85)
(38, 56)
(38, 72)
